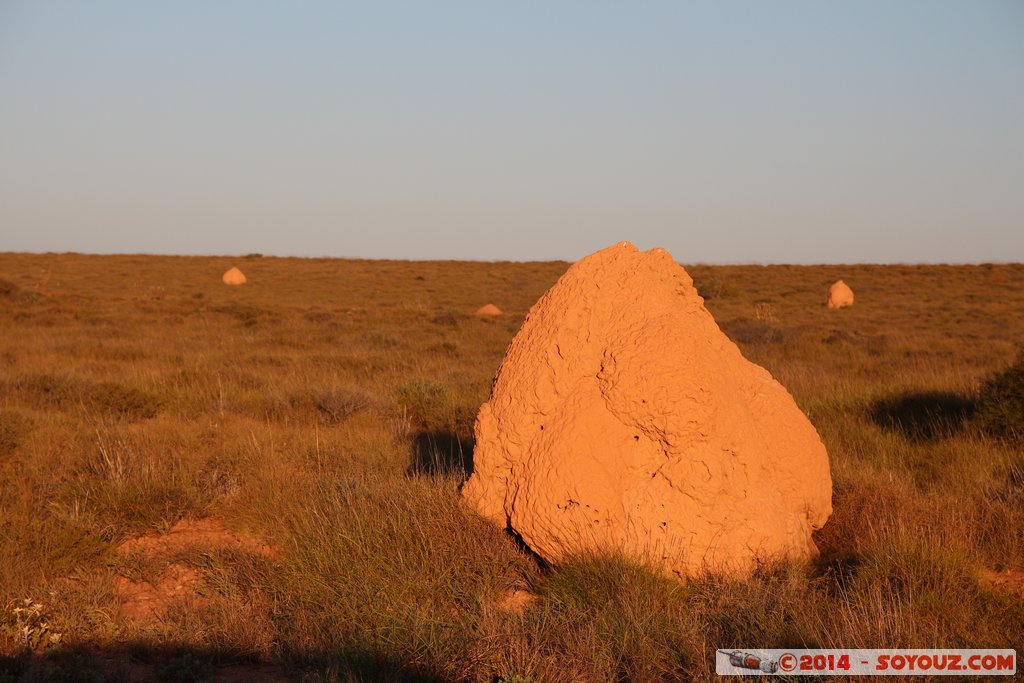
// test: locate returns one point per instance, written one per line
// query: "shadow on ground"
(137, 662)
(441, 453)
(924, 416)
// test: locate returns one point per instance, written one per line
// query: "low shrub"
(109, 398)
(715, 288)
(424, 401)
(118, 399)
(751, 331)
(336, 405)
(447, 316)
(1000, 408)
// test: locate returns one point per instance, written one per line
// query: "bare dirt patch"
(517, 601)
(199, 533)
(146, 600)
(1008, 580)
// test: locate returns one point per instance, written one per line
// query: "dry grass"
(327, 407)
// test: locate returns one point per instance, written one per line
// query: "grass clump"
(1000, 409)
(913, 583)
(329, 406)
(753, 331)
(424, 401)
(337, 405)
(45, 390)
(131, 490)
(623, 619)
(47, 540)
(124, 401)
(712, 287)
(13, 428)
(8, 289)
(448, 316)
(106, 398)
(396, 568)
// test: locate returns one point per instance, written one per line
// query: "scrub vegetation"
(320, 417)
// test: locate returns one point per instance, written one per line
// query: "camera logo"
(746, 660)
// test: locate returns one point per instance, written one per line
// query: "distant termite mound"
(623, 419)
(233, 277)
(488, 309)
(839, 295)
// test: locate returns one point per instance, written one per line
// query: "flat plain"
(203, 482)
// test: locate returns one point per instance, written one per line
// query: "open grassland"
(320, 418)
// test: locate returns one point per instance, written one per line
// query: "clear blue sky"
(800, 132)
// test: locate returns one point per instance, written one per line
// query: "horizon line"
(259, 255)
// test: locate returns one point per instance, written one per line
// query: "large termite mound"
(623, 419)
(839, 295)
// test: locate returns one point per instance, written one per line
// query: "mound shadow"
(441, 453)
(924, 416)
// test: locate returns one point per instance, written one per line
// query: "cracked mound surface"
(623, 418)
(233, 277)
(839, 295)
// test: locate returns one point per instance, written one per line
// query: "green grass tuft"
(1001, 402)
